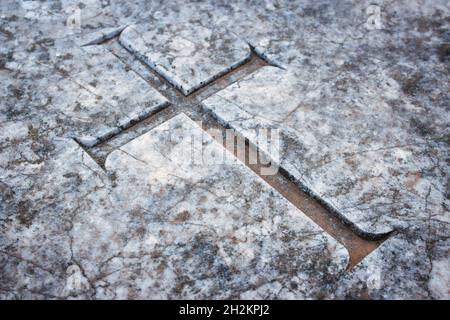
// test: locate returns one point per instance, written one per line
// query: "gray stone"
(399, 269)
(208, 229)
(213, 223)
(112, 95)
(370, 135)
(351, 149)
(188, 55)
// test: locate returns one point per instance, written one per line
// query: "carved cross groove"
(359, 245)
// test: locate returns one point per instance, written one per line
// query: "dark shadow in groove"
(262, 55)
(175, 96)
(358, 243)
(141, 117)
(102, 38)
(98, 160)
(100, 151)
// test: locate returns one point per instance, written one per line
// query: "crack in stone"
(359, 245)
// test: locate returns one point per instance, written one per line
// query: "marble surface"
(351, 149)
(189, 55)
(209, 228)
(213, 228)
(112, 95)
(410, 265)
(87, 89)
(364, 116)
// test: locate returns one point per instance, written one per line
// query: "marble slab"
(156, 225)
(187, 54)
(409, 265)
(373, 114)
(349, 147)
(114, 97)
(209, 227)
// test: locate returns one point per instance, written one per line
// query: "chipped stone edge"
(98, 37)
(179, 84)
(265, 56)
(286, 169)
(341, 264)
(91, 141)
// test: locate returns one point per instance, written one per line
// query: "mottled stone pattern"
(113, 96)
(365, 126)
(364, 113)
(185, 231)
(354, 150)
(87, 88)
(189, 55)
(207, 227)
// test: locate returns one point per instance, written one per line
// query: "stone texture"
(372, 103)
(114, 96)
(189, 55)
(368, 129)
(410, 265)
(357, 151)
(353, 149)
(90, 91)
(212, 229)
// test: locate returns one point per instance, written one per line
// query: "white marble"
(186, 229)
(350, 149)
(115, 97)
(366, 127)
(189, 55)
(214, 225)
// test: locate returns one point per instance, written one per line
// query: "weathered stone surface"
(358, 152)
(100, 36)
(43, 207)
(114, 97)
(186, 231)
(373, 101)
(213, 224)
(188, 55)
(352, 149)
(410, 265)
